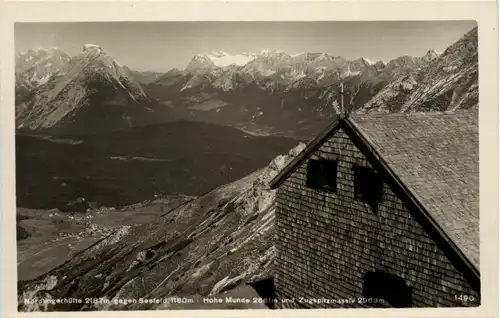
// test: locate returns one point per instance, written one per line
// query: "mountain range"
(269, 92)
(275, 92)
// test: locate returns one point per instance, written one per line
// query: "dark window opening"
(322, 174)
(393, 289)
(368, 186)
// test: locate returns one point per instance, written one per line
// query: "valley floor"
(55, 236)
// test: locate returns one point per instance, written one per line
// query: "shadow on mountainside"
(124, 167)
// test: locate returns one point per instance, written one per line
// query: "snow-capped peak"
(368, 61)
(222, 59)
(200, 57)
(95, 52)
(88, 47)
(296, 54)
(265, 52)
(218, 54)
(42, 49)
(251, 54)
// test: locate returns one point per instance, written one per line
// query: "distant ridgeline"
(381, 211)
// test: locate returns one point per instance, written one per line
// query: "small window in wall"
(322, 174)
(368, 186)
(392, 288)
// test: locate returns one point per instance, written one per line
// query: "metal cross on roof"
(342, 111)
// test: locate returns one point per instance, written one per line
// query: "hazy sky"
(160, 46)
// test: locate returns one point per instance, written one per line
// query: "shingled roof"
(435, 155)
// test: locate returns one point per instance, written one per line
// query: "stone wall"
(327, 243)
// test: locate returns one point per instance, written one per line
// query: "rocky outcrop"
(447, 83)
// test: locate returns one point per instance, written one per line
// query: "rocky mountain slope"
(206, 246)
(275, 92)
(142, 77)
(36, 67)
(89, 88)
(448, 82)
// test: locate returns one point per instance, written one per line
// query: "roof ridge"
(415, 114)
